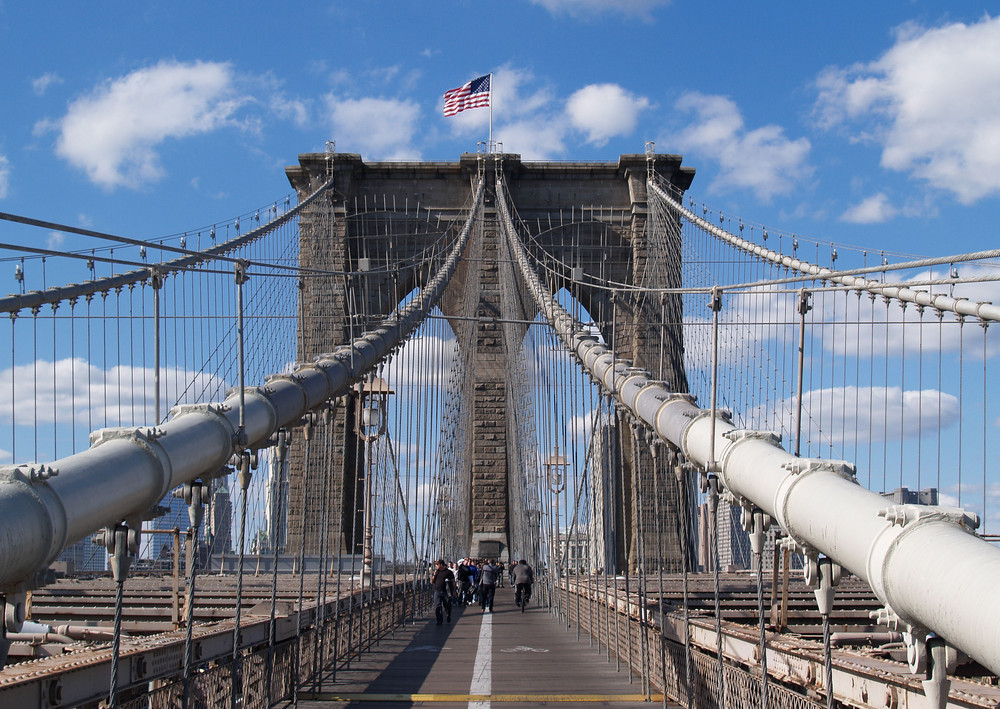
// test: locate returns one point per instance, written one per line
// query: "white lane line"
(482, 673)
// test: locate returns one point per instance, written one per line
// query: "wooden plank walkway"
(507, 658)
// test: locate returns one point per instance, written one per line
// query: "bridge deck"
(511, 658)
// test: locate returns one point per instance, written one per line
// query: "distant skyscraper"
(277, 505)
(220, 519)
(84, 555)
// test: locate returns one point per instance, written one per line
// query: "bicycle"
(522, 595)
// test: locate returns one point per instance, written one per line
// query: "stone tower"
(607, 204)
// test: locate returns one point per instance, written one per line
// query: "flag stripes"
(474, 94)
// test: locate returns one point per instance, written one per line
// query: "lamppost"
(370, 423)
(555, 466)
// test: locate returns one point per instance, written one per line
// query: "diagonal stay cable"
(34, 299)
(959, 306)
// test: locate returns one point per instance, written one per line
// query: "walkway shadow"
(398, 665)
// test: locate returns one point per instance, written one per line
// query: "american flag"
(474, 94)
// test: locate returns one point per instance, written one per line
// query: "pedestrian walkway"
(508, 658)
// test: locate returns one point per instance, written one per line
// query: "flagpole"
(491, 112)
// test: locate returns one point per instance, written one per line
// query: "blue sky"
(868, 124)
(871, 124)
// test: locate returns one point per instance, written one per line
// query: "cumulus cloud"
(931, 102)
(43, 82)
(604, 111)
(113, 132)
(581, 426)
(833, 320)
(293, 109)
(427, 360)
(587, 8)
(534, 127)
(4, 176)
(763, 159)
(840, 316)
(55, 240)
(289, 108)
(75, 391)
(873, 210)
(867, 414)
(536, 122)
(538, 139)
(380, 128)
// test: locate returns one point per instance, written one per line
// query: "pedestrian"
(474, 578)
(501, 574)
(464, 576)
(443, 582)
(488, 576)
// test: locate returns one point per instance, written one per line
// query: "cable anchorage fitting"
(911, 514)
(805, 466)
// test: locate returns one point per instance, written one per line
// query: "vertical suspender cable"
(193, 497)
(759, 529)
(280, 456)
(243, 463)
(297, 673)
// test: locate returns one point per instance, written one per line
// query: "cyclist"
(524, 576)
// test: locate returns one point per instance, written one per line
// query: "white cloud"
(842, 414)
(509, 99)
(581, 426)
(584, 8)
(842, 335)
(379, 128)
(932, 102)
(113, 132)
(762, 160)
(970, 497)
(55, 240)
(533, 139)
(4, 176)
(295, 110)
(72, 390)
(833, 320)
(427, 360)
(604, 111)
(873, 210)
(531, 125)
(43, 82)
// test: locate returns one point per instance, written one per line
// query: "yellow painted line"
(465, 698)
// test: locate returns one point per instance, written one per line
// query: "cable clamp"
(805, 466)
(34, 474)
(736, 435)
(903, 515)
(885, 616)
